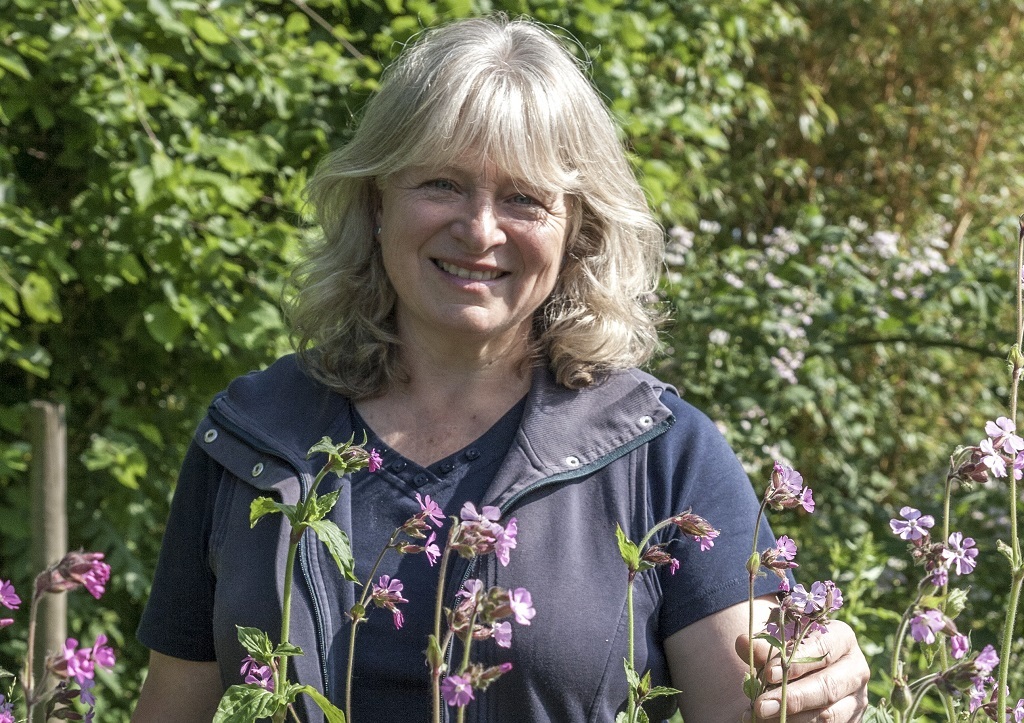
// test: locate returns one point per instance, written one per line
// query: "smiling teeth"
(466, 273)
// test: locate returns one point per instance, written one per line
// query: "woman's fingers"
(831, 686)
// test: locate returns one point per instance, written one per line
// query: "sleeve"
(178, 617)
(693, 468)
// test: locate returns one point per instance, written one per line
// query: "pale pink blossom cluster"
(480, 534)
(956, 554)
(786, 490)
(79, 664)
(85, 569)
(1003, 449)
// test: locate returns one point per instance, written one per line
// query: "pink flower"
(102, 654)
(914, 526)
(503, 634)
(522, 605)
(430, 510)
(487, 514)
(808, 602)
(958, 645)
(807, 500)
(373, 460)
(8, 597)
(387, 594)
(456, 690)
(72, 662)
(505, 541)
(256, 674)
(992, 459)
(6, 710)
(925, 624)
(673, 565)
(1001, 432)
(706, 541)
(786, 490)
(786, 548)
(431, 549)
(74, 569)
(986, 661)
(1018, 711)
(4, 622)
(960, 553)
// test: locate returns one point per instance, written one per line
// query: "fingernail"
(775, 674)
(769, 708)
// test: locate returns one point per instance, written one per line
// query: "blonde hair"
(507, 89)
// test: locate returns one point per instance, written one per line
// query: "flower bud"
(901, 696)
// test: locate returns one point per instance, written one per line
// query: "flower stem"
(435, 673)
(286, 606)
(750, 597)
(1016, 562)
(27, 682)
(631, 708)
(355, 625)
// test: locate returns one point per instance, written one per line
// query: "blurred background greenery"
(839, 179)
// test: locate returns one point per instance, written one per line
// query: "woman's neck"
(446, 403)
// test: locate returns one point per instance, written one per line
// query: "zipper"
(223, 418)
(597, 464)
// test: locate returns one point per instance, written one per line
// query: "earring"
(376, 231)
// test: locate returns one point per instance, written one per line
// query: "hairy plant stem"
(1016, 563)
(947, 702)
(281, 681)
(631, 704)
(27, 682)
(631, 701)
(435, 672)
(356, 622)
(752, 670)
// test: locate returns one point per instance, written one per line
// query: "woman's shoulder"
(281, 405)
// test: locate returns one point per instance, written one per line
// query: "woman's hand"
(705, 666)
(832, 689)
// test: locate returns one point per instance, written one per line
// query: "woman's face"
(471, 251)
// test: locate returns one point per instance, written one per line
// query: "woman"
(477, 307)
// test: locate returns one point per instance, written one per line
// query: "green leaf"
(12, 63)
(38, 298)
(264, 506)
(141, 179)
(164, 324)
(629, 551)
(331, 714)
(323, 505)
(256, 642)
(956, 601)
(208, 31)
(631, 675)
(338, 545)
(808, 659)
(660, 691)
(287, 649)
(246, 703)
(751, 686)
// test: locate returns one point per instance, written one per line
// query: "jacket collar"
(565, 433)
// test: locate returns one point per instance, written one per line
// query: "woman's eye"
(442, 184)
(524, 200)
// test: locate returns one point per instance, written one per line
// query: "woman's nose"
(482, 224)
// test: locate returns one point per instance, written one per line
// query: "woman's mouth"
(469, 274)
